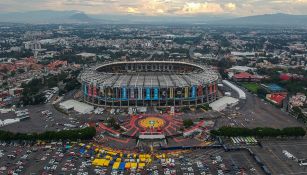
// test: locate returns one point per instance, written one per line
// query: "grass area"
(253, 87)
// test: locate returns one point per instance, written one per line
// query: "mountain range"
(66, 17)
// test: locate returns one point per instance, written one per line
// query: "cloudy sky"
(161, 7)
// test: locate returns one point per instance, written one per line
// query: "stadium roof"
(201, 75)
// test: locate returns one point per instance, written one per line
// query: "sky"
(161, 7)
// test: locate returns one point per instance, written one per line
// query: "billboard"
(171, 93)
(200, 90)
(193, 92)
(178, 92)
(186, 92)
(94, 90)
(109, 92)
(163, 93)
(102, 91)
(147, 97)
(115, 93)
(140, 93)
(124, 93)
(89, 92)
(156, 94)
(131, 93)
(85, 88)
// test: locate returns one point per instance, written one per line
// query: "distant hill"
(46, 17)
(268, 19)
(62, 17)
(81, 17)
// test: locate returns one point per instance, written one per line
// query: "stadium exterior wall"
(125, 95)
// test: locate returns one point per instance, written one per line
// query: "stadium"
(149, 83)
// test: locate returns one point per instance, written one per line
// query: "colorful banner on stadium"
(178, 92)
(140, 93)
(171, 93)
(156, 94)
(147, 97)
(124, 93)
(131, 93)
(193, 92)
(200, 90)
(186, 92)
(84, 88)
(116, 93)
(163, 93)
(94, 90)
(109, 92)
(89, 92)
(214, 89)
(102, 91)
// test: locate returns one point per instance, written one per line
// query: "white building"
(223, 103)
(80, 107)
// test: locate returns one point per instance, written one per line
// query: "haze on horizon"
(161, 7)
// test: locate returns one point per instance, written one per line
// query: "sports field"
(253, 87)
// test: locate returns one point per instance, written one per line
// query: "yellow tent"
(116, 165)
(147, 155)
(141, 165)
(128, 165)
(106, 163)
(134, 165)
(112, 153)
(98, 162)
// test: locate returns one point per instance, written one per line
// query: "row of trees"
(259, 132)
(32, 93)
(83, 134)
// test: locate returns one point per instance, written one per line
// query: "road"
(255, 112)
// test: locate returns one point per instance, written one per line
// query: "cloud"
(230, 6)
(196, 8)
(160, 7)
(132, 10)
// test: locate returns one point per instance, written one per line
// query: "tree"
(187, 123)
(259, 132)
(112, 122)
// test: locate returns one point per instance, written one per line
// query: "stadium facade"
(149, 83)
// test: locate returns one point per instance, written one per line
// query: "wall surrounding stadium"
(178, 86)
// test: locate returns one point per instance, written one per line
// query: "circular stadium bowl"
(149, 83)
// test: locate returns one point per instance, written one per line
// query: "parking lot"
(278, 163)
(256, 112)
(63, 158)
(38, 122)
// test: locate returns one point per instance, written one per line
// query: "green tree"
(187, 123)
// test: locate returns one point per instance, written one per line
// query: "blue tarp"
(82, 150)
(122, 166)
(274, 87)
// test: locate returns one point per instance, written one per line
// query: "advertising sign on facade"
(156, 94)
